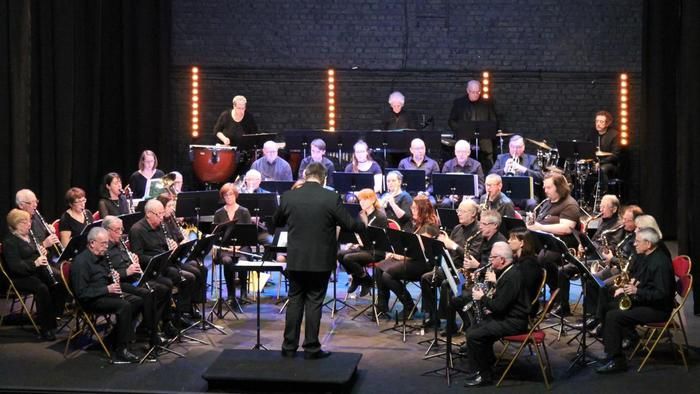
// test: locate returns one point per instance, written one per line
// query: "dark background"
(85, 86)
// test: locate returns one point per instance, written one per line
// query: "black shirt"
(330, 168)
(510, 300)
(470, 167)
(19, 256)
(608, 142)
(146, 241)
(234, 130)
(531, 275)
(657, 285)
(120, 262)
(137, 182)
(75, 227)
(460, 233)
(463, 110)
(607, 226)
(486, 246)
(393, 121)
(117, 207)
(404, 201)
(501, 204)
(564, 208)
(242, 216)
(90, 276)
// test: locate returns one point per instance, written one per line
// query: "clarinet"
(42, 251)
(113, 273)
(57, 246)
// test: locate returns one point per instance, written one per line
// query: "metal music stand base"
(448, 370)
(375, 313)
(158, 351)
(217, 308)
(403, 328)
(335, 301)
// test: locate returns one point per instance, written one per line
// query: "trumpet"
(42, 251)
(531, 217)
(58, 246)
(509, 167)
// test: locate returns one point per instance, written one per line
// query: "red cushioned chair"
(16, 296)
(96, 216)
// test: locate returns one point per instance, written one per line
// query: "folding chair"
(536, 337)
(15, 295)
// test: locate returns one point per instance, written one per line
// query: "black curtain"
(83, 90)
(669, 139)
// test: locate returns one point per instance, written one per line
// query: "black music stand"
(518, 187)
(262, 206)
(346, 182)
(408, 245)
(300, 139)
(255, 142)
(476, 129)
(379, 138)
(448, 218)
(90, 226)
(375, 239)
(455, 184)
(275, 187)
(578, 150)
(129, 219)
(413, 180)
(75, 246)
(432, 140)
(197, 203)
(344, 237)
(509, 224)
(200, 248)
(353, 210)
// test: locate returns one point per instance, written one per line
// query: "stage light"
(485, 83)
(624, 113)
(195, 101)
(331, 109)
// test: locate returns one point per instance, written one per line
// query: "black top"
(311, 214)
(38, 228)
(501, 204)
(67, 223)
(120, 262)
(611, 237)
(470, 167)
(374, 168)
(19, 256)
(234, 130)
(404, 201)
(137, 182)
(146, 241)
(526, 160)
(531, 275)
(608, 142)
(90, 276)
(377, 219)
(242, 216)
(657, 285)
(464, 110)
(460, 233)
(117, 207)
(392, 121)
(486, 246)
(510, 300)
(330, 168)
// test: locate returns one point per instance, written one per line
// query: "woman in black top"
(29, 271)
(76, 217)
(112, 199)
(148, 169)
(231, 211)
(363, 163)
(234, 123)
(355, 258)
(524, 245)
(397, 202)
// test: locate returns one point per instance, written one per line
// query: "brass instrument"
(114, 274)
(588, 221)
(621, 281)
(58, 246)
(508, 168)
(531, 217)
(42, 251)
(168, 182)
(477, 308)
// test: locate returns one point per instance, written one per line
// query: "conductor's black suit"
(311, 214)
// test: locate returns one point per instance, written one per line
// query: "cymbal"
(502, 134)
(542, 144)
(600, 153)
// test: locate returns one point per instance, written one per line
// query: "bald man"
(419, 161)
(271, 166)
(462, 163)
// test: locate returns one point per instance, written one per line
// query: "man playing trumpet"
(517, 162)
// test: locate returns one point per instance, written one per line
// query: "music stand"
(75, 246)
(408, 245)
(432, 140)
(509, 224)
(344, 237)
(455, 184)
(518, 187)
(448, 218)
(155, 267)
(129, 219)
(413, 180)
(275, 187)
(375, 239)
(578, 150)
(345, 182)
(255, 141)
(300, 139)
(90, 226)
(476, 129)
(353, 210)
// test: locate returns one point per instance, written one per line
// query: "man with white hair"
(517, 162)
(470, 108)
(271, 166)
(398, 117)
(26, 200)
(251, 182)
(462, 163)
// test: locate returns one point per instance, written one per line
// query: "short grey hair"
(502, 249)
(649, 234)
(23, 194)
(470, 205)
(492, 216)
(397, 97)
(396, 173)
(269, 145)
(109, 221)
(463, 143)
(96, 232)
(494, 177)
(239, 100)
(253, 172)
(150, 204)
(643, 221)
(516, 138)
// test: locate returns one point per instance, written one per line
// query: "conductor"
(311, 214)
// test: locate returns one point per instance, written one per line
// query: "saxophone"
(531, 217)
(622, 280)
(475, 306)
(467, 244)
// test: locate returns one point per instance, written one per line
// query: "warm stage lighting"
(485, 83)
(331, 109)
(194, 97)
(624, 113)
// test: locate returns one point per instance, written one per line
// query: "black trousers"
(389, 276)
(618, 323)
(551, 262)
(125, 309)
(428, 282)
(480, 340)
(354, 261)
(50, 299)
(155, 302)
(184, 281)
(229, 261)
(306, 293)
(199, 280)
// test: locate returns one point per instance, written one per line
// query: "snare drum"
(213, 163)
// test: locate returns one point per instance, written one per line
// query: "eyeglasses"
(117, 230)
(35, 202)
(493, 257)
(486, 223)
(80, 201)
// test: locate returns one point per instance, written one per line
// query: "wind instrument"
(42, 251)
(58, 246)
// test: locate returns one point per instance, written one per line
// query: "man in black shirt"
(495, 199)
(26, 200)
(462, 163)
(97, 291)
(473, 107)
(318, 152)
(606, 139)
(518, 163)
(505, 313)
(651, 289)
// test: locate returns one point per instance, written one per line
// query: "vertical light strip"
(485, 85)
(331, 100)
(624, 110)
(195, 101)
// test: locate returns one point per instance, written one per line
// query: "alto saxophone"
(467, 244)
(621, 281)
(531, 217)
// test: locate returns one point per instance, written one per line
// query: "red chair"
(83, 320)
(393, 224)
(534, 337)
(15, 295)
(96, 216)
(55, 226)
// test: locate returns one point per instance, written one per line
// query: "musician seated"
(397, 202)
(231, 211)
(363, 163)
(558, 215)
(147, 239)
(193, 269)
(651, 290)
(251, 182)
(398, 118)
(606, 140)
(95, 287)
(318, 152)
(503, 312)
(524, 246)
(465, 234)
(271, 166)
(155, 294)
(419, 161)
(112, 197)
(395, 268)
(27, 265)
(463, 164)
(26, 200)
(76, 217)
(624, 248)
(473, 107)
(517, 162)
(355, 258)
(148, 169)
(232, 124)
(495, 199)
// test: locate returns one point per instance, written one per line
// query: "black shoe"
(185, 321)
(561, 310)
(613, 366)
(48, 335)
(597, 331)
(366, 283)
(431, 323)
(170, 331)
(478, 381)
(630, 342)
(157, 340)
(463, 350)
(288, 353)
(591, 322)
(195, 315)
(124, 356)
(316, 355)
(354, 284)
